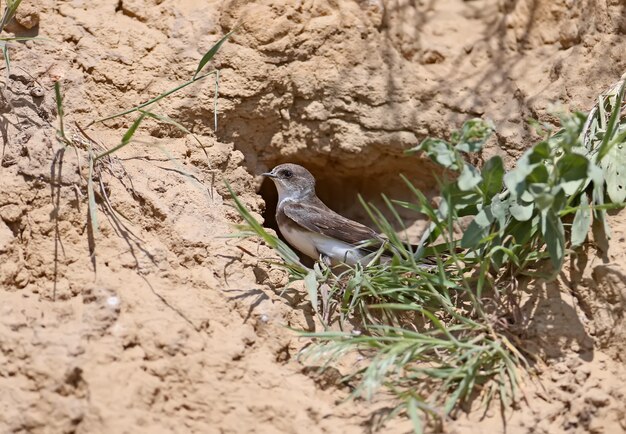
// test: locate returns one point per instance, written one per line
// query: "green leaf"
(570, 188)
(522, 231)
(582, 222)
(542, 194)
(539, 152)
(493, 175)
(469, 178)
(133, 129)
(614, 167)
(60, 113)
(611, 128)
(554, 237)
(212, 52)
(478, 228)
(560, 200)
(415, 419)
(464, 202)
(440, 151)
(500, 209)
(597, 176)
(600, 221)
(473, 135)
(522, 211)
(125, 138)
(515, 180)
(573, 167)
(539, 174)
(499, 253)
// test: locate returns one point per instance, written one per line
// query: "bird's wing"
(324, 221)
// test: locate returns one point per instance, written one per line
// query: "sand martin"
(313, 228)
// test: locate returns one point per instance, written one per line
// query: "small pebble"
(27, 15)
(598, 398)
(36, 92)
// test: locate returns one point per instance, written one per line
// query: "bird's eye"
(287, 173)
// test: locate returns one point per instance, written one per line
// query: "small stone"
(11, 213)
(22, 278)
(569, 35)
(6, 237)
(36, 92)
(581, 375)
(598, 398)
(574, 362)
(316, 111)
(596, 426)
(432, 56)
(113, 301)
(27, 16)
(561, 368)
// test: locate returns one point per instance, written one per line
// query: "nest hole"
(340, 191)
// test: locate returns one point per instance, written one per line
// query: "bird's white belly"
(313, 244)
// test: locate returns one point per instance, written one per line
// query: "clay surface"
(156, 321)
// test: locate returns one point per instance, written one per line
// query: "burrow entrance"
(339, 190)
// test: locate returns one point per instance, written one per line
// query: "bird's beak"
(269, 175)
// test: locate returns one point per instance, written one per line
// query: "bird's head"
(292, 181)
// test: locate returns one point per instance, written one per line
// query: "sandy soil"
(157, 322)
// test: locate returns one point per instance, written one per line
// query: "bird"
(316, 230)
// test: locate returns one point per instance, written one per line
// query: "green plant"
(439, 338)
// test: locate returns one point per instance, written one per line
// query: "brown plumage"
(317, 217)
(313, 228)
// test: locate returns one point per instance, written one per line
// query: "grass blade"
(59, 101)
(153, 100)
(170, 121)
(283, 250)
(126, 138)
(9, 12)
(91, 197)
(611, 126)
(7, 60)
(212, 52)
(217, 92)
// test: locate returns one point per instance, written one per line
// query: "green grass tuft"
(439, 338)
